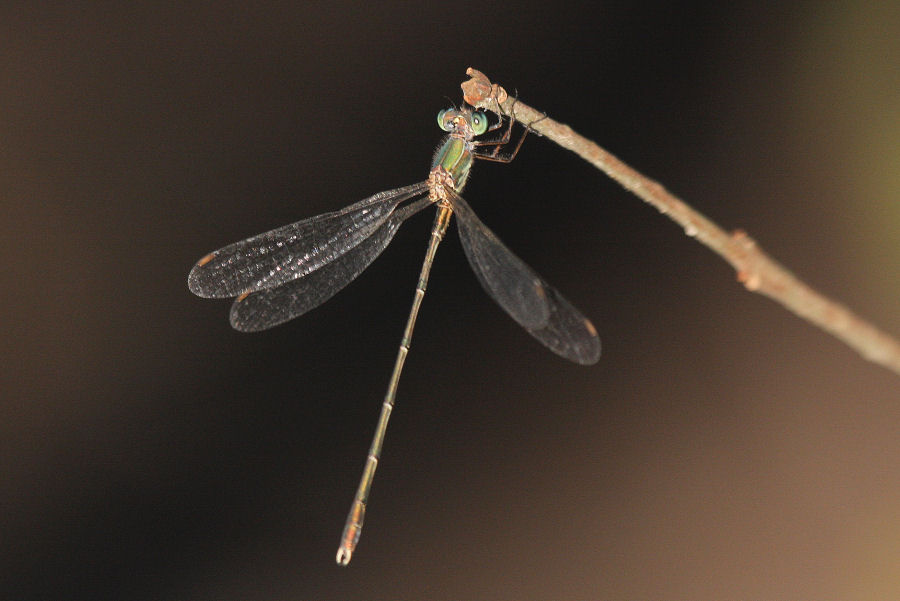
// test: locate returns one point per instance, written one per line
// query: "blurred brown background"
(721, 449)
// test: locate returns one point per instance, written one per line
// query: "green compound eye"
(443, 121)
(479, 123)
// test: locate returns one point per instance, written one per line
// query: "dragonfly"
(281, 274)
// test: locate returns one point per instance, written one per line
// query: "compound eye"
(479, 123)
(444, 118)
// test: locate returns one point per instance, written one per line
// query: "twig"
(755, 269)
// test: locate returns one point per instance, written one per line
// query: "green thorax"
(455, 156)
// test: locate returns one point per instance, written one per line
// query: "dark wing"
(268, 308)
(293, 250)
(522, 293)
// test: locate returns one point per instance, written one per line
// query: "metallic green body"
(455, 157)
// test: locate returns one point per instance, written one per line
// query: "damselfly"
(282, 274)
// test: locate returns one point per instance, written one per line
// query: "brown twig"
(755, 269)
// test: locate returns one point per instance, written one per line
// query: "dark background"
(721, 448)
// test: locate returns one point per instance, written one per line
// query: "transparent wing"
(293, 250)
(268, 308)
(522, 293)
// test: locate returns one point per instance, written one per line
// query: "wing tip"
(589, 355)
(194, 283)
(587, 352)
(195, 279)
